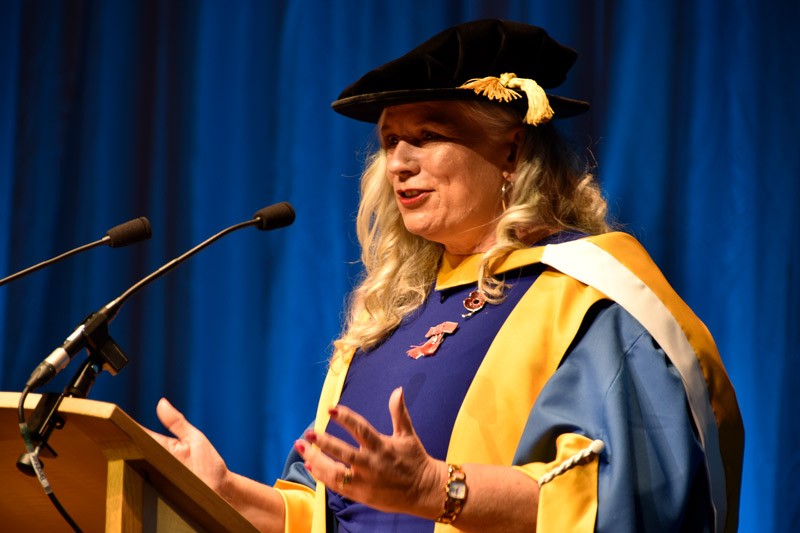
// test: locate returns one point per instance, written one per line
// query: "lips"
(411, 193)
(412, 197)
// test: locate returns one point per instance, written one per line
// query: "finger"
(401, 419)
(163, 440)
(173, 419)
(324, 468)
(335, 448)
(347, 477)
(355, 424)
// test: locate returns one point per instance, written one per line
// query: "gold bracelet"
(455, 494)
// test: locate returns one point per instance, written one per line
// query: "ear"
(513, 145)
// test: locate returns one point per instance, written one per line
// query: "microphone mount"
(103, 354)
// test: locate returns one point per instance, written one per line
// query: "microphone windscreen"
(275, 216)
(130, 232)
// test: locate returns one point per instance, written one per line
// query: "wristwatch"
(455, 494)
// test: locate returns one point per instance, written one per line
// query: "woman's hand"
(392, 473)
(259, 503)
(191, 447)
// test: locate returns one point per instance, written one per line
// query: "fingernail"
(310, 436)
(333, 412)
(308, 467)
(300, 446)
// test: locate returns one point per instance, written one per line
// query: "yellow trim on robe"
(298, 503)
(306, 508)
(331, 392)
(496, 407)
(569, 501)
(492, 417)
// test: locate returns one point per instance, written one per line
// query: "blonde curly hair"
(552, 191)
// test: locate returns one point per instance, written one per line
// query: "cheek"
(467, 185)
(478, 191)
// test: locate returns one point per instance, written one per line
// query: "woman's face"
(446, 174)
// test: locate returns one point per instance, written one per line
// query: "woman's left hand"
(392, 473)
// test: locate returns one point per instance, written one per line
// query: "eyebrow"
(433, 117)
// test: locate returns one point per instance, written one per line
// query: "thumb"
(401, 420)
(173, 419)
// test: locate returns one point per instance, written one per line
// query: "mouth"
(412, 198)
(410, 193)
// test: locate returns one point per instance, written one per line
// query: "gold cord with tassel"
(502, 89)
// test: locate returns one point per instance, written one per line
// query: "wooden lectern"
(110, 475)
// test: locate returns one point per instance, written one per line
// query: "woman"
(538, 370)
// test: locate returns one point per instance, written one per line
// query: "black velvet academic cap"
(438, 67)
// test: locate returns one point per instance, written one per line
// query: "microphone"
(94, 329)
(130, 232)
(275, 216)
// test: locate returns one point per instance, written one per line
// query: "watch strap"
(455, 494)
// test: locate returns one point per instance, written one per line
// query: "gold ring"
(347, 478)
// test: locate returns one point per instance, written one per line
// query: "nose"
(402, 160)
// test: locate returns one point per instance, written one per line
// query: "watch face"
(457, 490)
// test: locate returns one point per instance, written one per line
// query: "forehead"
(408, 115)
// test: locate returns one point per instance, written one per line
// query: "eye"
(390, 141)
(428, 135)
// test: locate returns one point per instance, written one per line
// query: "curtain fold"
(197, 114)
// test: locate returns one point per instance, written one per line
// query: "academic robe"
(599, 347)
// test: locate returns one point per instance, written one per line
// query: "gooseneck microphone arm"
(112, 308)
(130, 232)
(34, 268)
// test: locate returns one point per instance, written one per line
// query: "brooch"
(474, 302)
(435, 337)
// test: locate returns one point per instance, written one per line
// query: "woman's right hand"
(259, 503)
(191, 447)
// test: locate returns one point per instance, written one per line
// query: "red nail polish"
(333, 412)
(310, 436)
(308, 467)
(300, 446)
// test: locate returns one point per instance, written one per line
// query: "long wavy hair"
(553, 190)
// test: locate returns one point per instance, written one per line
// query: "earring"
(507, 185)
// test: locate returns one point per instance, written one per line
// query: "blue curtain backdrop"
(196, 114)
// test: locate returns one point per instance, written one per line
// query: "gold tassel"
(493, 88)
(502, 89)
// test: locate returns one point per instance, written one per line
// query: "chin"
(421, 233)
(418, 226)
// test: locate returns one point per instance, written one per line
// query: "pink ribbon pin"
(435, 337)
